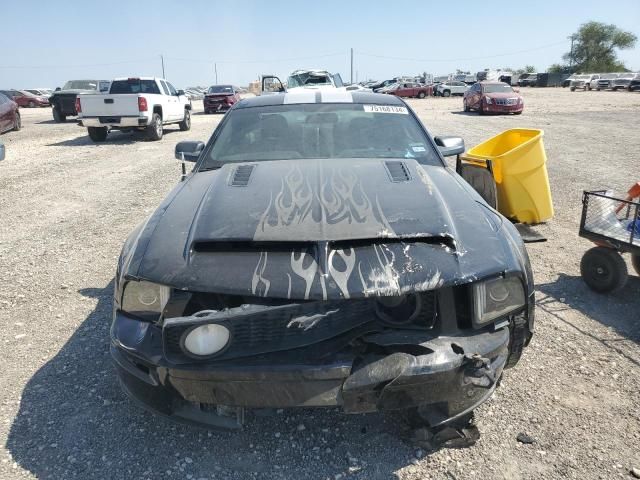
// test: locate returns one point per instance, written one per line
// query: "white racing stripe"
(335, 96)
(305, 96)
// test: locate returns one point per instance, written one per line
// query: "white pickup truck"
(144, 103)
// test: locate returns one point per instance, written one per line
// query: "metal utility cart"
(613, 224)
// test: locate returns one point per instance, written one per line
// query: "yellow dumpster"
(519, 168)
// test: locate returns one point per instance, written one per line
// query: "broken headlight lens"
(495, 298)
(145, 300)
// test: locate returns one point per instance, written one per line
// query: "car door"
(176, 108)
(5, 113)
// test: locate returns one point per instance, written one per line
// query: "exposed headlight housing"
(145, 300)
(206, 340)
(495, 298)
(488, 100)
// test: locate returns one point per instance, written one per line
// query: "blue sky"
(47, 43)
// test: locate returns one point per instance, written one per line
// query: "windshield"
(81, 85)
(286, 132)
(308, 78)
(220, 89)
(582, 77)
(134, 85)
(497, 88)
(608, 76)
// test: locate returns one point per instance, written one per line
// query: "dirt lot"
(67, 205)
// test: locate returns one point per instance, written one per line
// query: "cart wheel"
(603, 269)
(635, 261)
(482, 182)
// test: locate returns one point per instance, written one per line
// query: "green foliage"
(559, 68)
(595, 45)
(526, 69)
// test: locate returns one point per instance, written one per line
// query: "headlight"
(206, 340)
(145, 299)
(497, 297)
(487, 100)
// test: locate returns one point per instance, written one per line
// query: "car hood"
(321, 229)
(502, 95)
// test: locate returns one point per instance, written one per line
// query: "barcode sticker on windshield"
(385, 109)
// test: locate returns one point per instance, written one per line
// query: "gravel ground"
(67, 205)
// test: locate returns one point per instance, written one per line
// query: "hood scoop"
(242, 175)
(398, 171)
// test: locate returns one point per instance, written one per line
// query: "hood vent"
(398, 171)
(241, 175)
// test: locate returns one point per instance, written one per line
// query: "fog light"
(206, 340)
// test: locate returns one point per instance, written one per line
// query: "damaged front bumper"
(446, 375)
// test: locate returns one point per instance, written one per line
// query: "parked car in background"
(220, 98)
(583, 81)
(622, 82)
(451, 87)
(414, 90)
(492, 97)
(524, 79)
(634, 84)
(567, 81)
(9, 114)
(41, 92)
(26, 99)
(605, 81)
(145, 103)
(63, 100)
(378, 85)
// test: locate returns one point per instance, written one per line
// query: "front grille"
(257, 329)
(506, 101)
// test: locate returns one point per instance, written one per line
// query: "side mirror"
(1, 151)
(190, 149)
(180, 92)
(449, 146)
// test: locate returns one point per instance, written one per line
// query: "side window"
(164, 87)
(103, 86)
(337, 79)
(2, 99)
(171, 89)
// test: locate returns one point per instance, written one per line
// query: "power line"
(239, 62)
(461, 59)
(78, 66)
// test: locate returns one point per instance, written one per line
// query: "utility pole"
(215, 69)
(162, 60)
(352, 65)
(572, 38)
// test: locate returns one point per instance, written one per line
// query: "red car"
(220, 97)
(26, 99)
(411, 90)
(492, 97)
(9, 114)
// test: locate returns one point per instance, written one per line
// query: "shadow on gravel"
(51, 122)
(74, 422)
(619, 311)
(466, 114)
(114, 138)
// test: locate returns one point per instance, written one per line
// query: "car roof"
(320, 96)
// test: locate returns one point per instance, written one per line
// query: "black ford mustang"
(320, 253)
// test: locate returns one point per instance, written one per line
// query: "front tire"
(185, 124)
(422, 95)
(98, 134)
(573, 89)
(58, 116)
(17, 125)
(32, 104)
(603, 270)
(446, 93)
(154, 129)
(482, 182)
(466, 107)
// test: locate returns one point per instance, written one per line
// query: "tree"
(526, 69)
(559, 68)
(595, 45)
